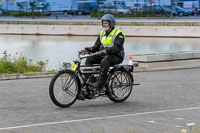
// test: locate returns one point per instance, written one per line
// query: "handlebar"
(85, 54)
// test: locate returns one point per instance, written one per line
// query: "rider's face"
(106, 25)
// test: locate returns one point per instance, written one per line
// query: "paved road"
(164, 102)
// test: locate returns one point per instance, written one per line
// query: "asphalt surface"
(164, 102)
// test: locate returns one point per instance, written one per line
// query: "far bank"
(91, 27)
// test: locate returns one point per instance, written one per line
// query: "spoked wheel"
(64, 88)
(119, 86)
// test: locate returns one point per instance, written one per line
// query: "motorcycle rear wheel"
(119, 86)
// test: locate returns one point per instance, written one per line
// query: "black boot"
(81, 96)
(100, 83)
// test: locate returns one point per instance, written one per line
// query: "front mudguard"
(65, 70)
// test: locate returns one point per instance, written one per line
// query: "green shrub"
(21, 14)
(20, 65)
(42, 64)
(95, 13)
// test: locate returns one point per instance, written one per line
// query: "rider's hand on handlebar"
(103, 52)
(88, 49)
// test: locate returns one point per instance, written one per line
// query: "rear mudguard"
(123, 68)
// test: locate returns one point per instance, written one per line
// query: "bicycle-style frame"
(119, 77)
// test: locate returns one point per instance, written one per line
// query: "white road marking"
(151, 121)
(180, 126)
(178, 118)
(160, 123)
(99, 118)
(190, 124)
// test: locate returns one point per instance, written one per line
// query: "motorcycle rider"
(110, 43)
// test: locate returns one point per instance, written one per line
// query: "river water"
(59, 49)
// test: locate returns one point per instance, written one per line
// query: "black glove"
(103, 52)
(88, 49)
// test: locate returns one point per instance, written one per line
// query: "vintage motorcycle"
(72, 82)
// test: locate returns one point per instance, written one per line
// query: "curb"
(51, 74)
(26, 75)
(143, 69)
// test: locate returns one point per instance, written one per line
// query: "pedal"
(103, 90)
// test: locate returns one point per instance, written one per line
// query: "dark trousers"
(105, 62)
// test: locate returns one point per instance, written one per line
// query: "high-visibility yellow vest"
(108, 41)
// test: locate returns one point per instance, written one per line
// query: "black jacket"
(115, 49)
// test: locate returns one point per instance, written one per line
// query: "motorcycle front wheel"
(64, 88)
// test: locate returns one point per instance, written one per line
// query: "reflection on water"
(58, 49)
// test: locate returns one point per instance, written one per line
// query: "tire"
(79, 13)
(180, 14)
(64, 89)
(119, 81)
(65, 12)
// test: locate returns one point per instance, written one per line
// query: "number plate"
(74, 67)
